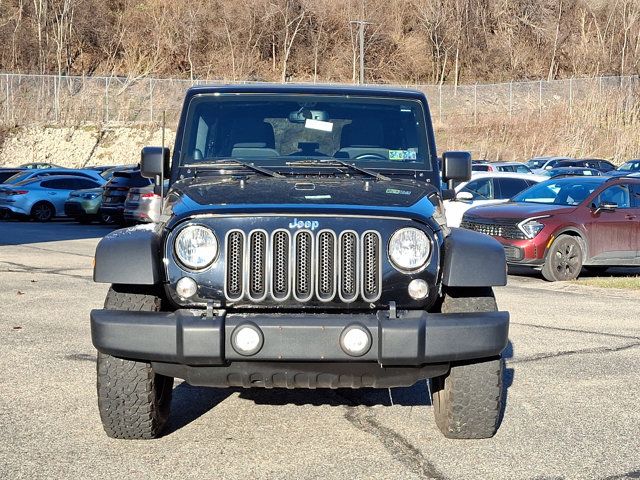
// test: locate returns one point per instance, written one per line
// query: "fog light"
(186, 287)
(418, 289)
(247, 339)
(355, 340)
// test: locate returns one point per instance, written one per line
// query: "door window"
(481, 189)
(618, 194)
(635, 195)
(60, 184)
(510, 187)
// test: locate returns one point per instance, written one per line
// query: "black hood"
(351, 191)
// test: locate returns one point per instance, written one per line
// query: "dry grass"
(599, 126)
(629, 283)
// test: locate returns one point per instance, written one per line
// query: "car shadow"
(16, 232)
(190, 403)
(610, 272)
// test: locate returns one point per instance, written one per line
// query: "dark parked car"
(39, 165)
(302, 244)
(569, 171)
(594, 163)
(561, 225)
(627, 168)
(101, 168)
(116, 190)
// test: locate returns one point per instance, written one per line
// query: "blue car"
(42, 198)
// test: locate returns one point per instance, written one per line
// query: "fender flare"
(473, 259)
(130, 256)
(574, 232)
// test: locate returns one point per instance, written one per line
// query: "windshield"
(272, 130)
(632, 166)
(565, 191)
(537, 163)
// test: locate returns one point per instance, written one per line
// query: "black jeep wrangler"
(302, 244)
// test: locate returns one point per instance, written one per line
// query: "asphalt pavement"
(572, 403)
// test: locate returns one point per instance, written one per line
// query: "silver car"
(41, 198)
(142, 205)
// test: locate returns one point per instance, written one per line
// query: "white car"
(485, 189)
(540, 164)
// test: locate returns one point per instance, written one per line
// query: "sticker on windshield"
(318, 125)
(402, 155)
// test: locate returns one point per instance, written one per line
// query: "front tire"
(134, 401)
(563, 261)
(467, 401)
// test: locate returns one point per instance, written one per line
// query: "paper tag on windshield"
(402, 155)
(318, 125)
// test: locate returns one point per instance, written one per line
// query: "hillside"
(406, 41)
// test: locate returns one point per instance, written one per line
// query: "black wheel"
(5, 214)
(564, 259)
(133, 400)
(596, 269)
(467, 401)
(43, 212)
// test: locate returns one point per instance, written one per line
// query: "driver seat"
(361, 137)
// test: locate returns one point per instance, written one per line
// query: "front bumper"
(113, 210)
(81, 208)
(530, 252)
(188, 337)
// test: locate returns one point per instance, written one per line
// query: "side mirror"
(154, 162)
(464, 196)
(456, 166)
(606, 207)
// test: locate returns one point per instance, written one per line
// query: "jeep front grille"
(303, 266)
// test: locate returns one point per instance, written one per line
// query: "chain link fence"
(75, 100)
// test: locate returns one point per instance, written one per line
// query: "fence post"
(106, 100)
(510, 97)
(571, 97)
(440, 102)
(56, 101)
(151, 100)
(540, 100)
(475, 104)
(6, 105)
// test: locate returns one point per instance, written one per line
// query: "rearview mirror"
(154, 162)
(456, 166)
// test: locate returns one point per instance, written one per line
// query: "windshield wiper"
(335, 162)
(221, 163)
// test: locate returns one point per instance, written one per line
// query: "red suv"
(563, 224)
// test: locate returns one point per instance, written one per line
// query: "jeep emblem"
(310, 224)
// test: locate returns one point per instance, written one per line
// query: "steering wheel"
(370, 156)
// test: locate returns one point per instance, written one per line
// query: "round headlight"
(409, 249)
(196, 247)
